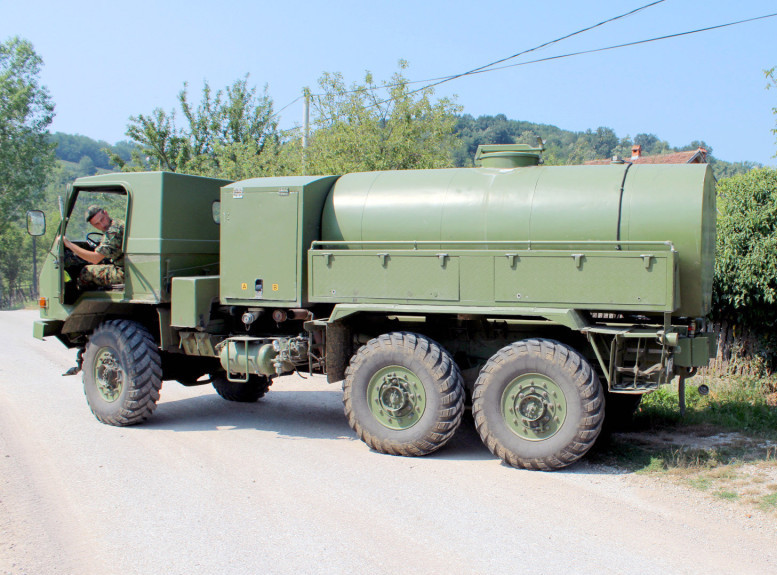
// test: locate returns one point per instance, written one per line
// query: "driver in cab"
(105, 265)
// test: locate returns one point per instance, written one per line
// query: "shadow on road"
(318, 414)
(295, 414)
(312, 414)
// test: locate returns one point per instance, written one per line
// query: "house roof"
(698, 156)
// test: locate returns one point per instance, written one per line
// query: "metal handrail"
(318, 244)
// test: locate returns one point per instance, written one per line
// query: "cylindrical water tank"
(613, 203)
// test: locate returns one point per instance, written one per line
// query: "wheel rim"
(396, 397)
(534, 407)
(108, 375)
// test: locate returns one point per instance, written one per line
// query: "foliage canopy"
(357, 128)
(230, 134)
(771, 82)
(26, 110)
(745, 289)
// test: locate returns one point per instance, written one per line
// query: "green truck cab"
(539, 295)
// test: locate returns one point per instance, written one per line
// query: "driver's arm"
(84, 254)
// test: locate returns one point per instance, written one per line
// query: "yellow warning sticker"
(274, 287)
(243, 287)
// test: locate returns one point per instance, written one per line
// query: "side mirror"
(215, 209)
(36, 223)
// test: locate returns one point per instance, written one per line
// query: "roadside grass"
(724, 445)
(18, 305)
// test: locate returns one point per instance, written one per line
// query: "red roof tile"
(690, 157)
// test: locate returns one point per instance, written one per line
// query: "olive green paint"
(534, 407)
(506, 242)
(169, 231)
(191, 300)
(571, 207)
(396, 397)
(268, 224)
(585, 278)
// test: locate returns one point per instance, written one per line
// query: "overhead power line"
(546, 44)
(294, 101)
(444, 79)
(627, 44)
(592, 51)
(483, 68)
(490, 67)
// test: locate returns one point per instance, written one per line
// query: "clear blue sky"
(106, 61)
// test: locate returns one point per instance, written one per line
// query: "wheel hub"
(534, 407)
(108, 375)
(396, 397)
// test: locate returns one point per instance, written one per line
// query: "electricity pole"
(305, 128)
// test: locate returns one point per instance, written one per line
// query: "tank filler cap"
(509, 155)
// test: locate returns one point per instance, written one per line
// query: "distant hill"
(85, 156)
(563, 147)
(87, 153)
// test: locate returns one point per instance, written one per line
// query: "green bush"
(745, 288)
(734, 403)
(744, 299)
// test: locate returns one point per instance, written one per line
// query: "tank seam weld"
(620, 206)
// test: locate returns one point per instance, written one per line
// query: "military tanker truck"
(542, 297)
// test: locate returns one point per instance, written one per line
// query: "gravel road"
(284, 487)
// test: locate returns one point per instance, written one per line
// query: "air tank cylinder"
(246, 356)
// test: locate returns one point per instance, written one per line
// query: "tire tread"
(144, 374)
(253, 390)
(450, 387)
(589, 388)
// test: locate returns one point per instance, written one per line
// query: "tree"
(86, 166)
(367, 126)
(746, 260)
(231, 134)
(26, 110)
(605, 142)
(12, 257)
(651, 144)
(745, 286)
(771, 82)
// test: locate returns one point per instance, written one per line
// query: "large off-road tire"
(244, 392)
(403, 394)
(538, 404)
(122, 373)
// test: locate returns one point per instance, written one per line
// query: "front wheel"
(403, 394)
(538, 404)
(122, 373)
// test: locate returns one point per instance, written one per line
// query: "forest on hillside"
(83, 156)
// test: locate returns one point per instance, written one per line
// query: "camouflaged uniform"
(108, 274)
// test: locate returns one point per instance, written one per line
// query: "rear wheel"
(538, 404)
(403, 394)
(244, 392)
(122, 373)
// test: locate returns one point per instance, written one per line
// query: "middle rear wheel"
(243, 392)
(403, 394)
(538, 404)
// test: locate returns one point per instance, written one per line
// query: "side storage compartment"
(267, 225)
